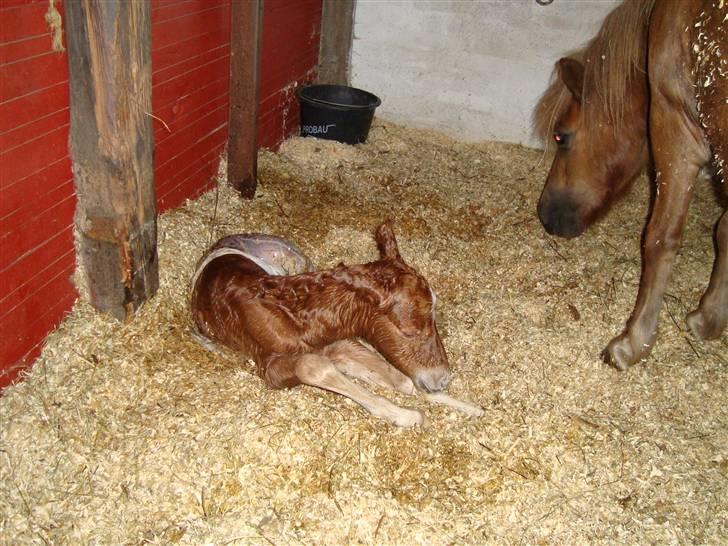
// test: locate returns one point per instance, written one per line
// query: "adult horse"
(653, 84)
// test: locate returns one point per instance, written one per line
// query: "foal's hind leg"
(709, 319)
(319, 371)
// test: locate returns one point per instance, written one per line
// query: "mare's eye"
(563, 140)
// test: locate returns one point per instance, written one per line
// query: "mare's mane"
(616, 55)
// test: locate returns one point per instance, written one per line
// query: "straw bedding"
(133, 434)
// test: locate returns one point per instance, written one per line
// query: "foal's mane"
(616, 55)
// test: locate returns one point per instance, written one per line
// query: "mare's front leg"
(319, 371)
(710, 318)
(679, 153)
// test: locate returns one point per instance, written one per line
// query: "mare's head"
(403, 329)
(595, 113)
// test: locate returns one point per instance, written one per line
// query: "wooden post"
(110, 77)
(337, 35)
(242, 151)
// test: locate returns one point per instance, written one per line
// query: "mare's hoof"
(704, 327)
(619, 353)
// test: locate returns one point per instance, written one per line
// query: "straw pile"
(133, 434)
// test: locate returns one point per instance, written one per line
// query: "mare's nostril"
(561, 218)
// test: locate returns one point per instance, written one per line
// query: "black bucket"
(337, 112)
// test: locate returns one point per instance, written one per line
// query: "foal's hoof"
(704, 327)
(407, 418)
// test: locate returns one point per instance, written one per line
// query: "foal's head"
(595, 110)
(403, 329)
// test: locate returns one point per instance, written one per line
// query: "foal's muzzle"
(432, 379)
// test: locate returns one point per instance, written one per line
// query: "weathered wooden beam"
(110, 79)
(337, 35)
(242, 151)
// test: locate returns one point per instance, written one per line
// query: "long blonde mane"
(612, 59)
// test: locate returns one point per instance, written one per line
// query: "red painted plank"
(274, 78)
(16, 325)
(159, 4)
(48, 322)
(10, 140)
(191, 62)
(23, 330)
(198, 182)
(211, 154)
(175, 9)
(23, 292)
(178, 141)
(32, 75)
(37, 231)
(13, 52)
(164, 58)
(169, 9)
(275, 129)
(22, 20)
(181, 112)
(33, 156)
(20, 217)
(23, 270)
(178, 87)
(188, 131)
(208, 152)
(34, 186)
(215, 14)
(7, 4)
(25, 109)
(191, 155)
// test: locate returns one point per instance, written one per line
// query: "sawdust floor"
(133, 434)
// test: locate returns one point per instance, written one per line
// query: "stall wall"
(471, 69)
(190, 58)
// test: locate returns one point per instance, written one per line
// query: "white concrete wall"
(473, 69)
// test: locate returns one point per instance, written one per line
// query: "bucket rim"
(376, 100)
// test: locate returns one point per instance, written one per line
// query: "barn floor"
(133, 434)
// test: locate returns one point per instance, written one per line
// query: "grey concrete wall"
(473, 69)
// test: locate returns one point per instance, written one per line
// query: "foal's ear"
(386, 242)
(571, 73)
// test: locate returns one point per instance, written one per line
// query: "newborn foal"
(302, 328)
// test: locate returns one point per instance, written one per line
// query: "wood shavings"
(133, 434)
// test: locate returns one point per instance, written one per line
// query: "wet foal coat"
(305, 328)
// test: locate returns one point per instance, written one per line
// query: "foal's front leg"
(356, 360)
(679, 153)
(710, 318)
(319, 371)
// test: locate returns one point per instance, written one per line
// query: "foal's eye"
(562, 139)
(411, 332)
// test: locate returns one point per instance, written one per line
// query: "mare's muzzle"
(561, 215)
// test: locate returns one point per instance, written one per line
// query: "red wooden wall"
(190, 61)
